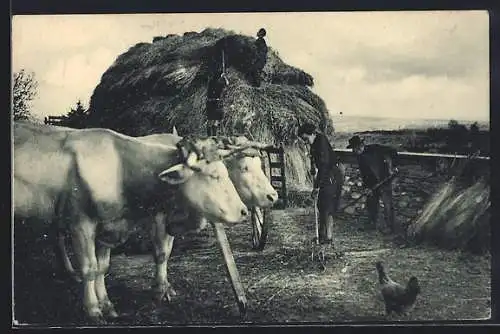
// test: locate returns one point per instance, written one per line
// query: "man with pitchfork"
(328, 182)
(376, 163)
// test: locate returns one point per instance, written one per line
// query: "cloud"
(412, 97)
(431, 65)
(70, 79)
(390, 63)
(59, 32)
(447, 49)
(82, 70)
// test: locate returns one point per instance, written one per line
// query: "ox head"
(243, 160)
(204, 182)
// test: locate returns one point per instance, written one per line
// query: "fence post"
(283, 175)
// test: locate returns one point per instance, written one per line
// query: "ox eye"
(244, 169)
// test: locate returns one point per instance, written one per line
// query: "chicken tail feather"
(382, 277)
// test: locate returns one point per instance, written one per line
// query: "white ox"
(98, 182)
(252, 185)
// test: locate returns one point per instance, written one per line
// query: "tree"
(452, 124)
(457, 137)
(76, 117)
(24, 91)
(474, 128)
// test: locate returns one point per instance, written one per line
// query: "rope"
(223, 63)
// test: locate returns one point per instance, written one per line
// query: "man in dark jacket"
(329, 179)
(215, 111)
(376, 162)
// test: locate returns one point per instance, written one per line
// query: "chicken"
(397, 298)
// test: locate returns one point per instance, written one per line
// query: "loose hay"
(456, 218)
(302, 293)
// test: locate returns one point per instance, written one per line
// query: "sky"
(425, 64)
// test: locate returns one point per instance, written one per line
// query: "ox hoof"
(96, 317)
(76, 278)
(165, 292)
(242, 306)
(112, 314)
(109, 310)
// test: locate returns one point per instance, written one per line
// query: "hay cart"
(273, 165)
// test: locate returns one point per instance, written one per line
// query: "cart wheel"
(261, 219)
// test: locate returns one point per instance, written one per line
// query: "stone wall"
(420, 176)
(413, 187)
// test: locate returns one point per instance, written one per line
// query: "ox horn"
(236, 149)
(233, 150)
(192, 159)
(259, 146)
(236, 142)
(255, 145)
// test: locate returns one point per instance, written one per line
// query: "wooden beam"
(273, 150)
(232, 270)
(56, 118)
(283, 175)
(348, 156)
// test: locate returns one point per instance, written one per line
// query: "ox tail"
(61, 250)
(64, 257)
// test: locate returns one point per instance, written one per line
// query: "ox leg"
(163, 243)
(83, 237)
(103, 258)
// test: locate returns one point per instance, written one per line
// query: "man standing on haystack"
(260, 62)
(376, 164)
(328, 182)
(215, 111)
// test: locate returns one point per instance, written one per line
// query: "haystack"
(456, 217)
(155, 86)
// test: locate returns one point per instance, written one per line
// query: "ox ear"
(176, 174)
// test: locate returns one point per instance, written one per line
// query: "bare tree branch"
(24, 91)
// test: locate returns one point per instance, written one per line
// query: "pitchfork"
(316, 245)
(371, 190)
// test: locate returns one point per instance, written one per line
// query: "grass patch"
(283, 285)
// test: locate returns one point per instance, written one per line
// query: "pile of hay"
(155, 86)
(456, 218)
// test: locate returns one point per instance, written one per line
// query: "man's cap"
(261, 32)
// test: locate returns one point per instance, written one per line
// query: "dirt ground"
(282, 284)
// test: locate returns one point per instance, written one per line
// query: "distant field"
(350, 124)
(410, 135)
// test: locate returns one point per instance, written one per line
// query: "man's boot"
(372, 207)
